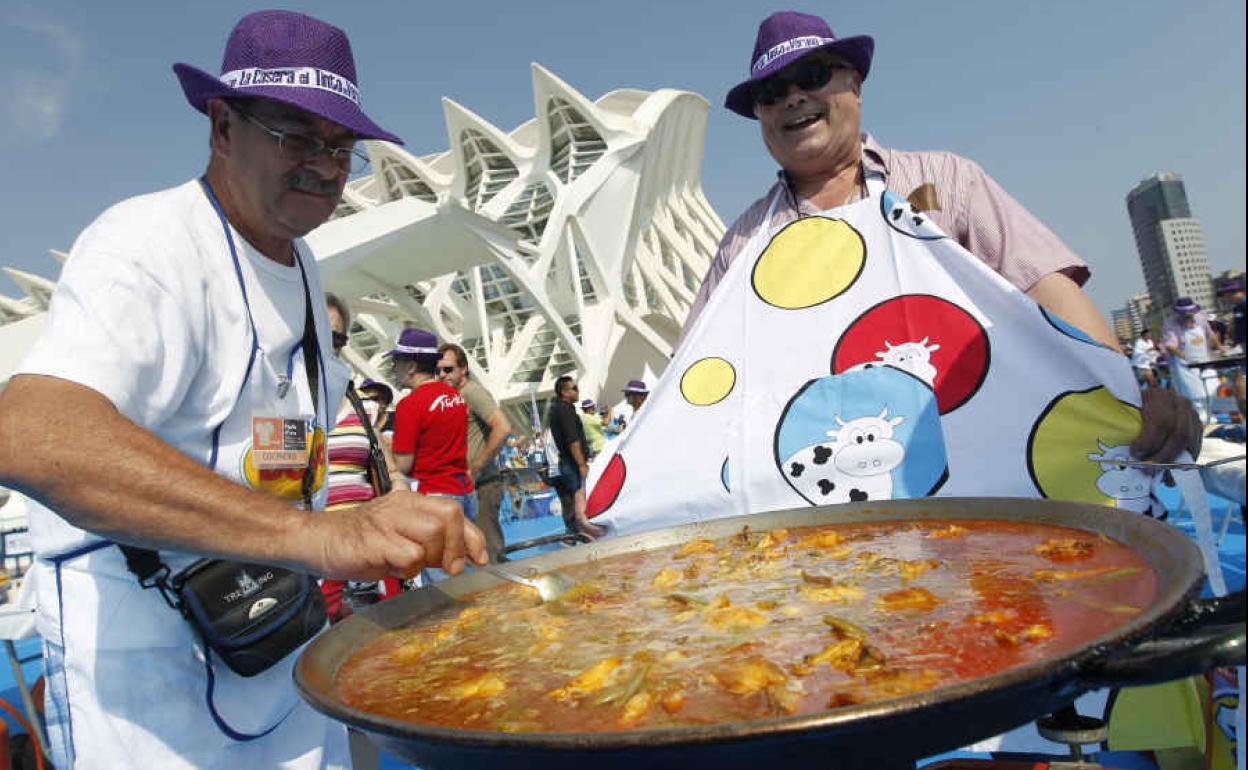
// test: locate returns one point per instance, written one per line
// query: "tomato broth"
(755, 625)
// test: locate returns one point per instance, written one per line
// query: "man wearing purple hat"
(1188, 339)
(592, 422)
(1187, 334)
(635, 393)
(184, 339)
(805, 90)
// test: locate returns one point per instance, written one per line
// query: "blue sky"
(1067, 104)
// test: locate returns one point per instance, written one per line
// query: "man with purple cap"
(185, 339)
(805, 90)
(592, 422)
(1188, 338)
(635, 393)
(1187, 334)
(430, 441)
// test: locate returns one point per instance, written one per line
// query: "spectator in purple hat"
(804, 88)
(1189, 339)
(636, 393)
(189, 340)
(431, 423)
(593, 424)
(1187, 334)
(382, 395)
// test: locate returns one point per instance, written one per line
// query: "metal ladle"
(550, 585)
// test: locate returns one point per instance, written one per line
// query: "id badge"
(279, 442)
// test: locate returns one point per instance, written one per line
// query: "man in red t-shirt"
(430, 423)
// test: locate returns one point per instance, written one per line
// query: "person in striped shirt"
(805, 90)
(347, 449)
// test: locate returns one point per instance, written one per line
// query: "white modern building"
(574, 242)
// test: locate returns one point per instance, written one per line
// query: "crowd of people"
(1191, 340)
(189, 340)
(448, 437)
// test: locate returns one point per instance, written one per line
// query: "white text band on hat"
(796, 44)
(293, 77)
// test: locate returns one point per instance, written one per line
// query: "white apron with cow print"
(863, 355)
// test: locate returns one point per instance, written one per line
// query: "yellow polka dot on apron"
(707, 381)
(809, 262)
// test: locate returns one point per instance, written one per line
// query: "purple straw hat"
(416, 343)
(587, 403)
(785, 37)
(1185, 305)
(636, 386)
(1228, 285)
(290, 58)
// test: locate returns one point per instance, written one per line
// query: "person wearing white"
(176, 333)
(1189, 339)
(1144, 356)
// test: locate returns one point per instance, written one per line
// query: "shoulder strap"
(311, 358)
(146, 565)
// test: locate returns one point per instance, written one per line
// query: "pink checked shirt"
(974, 210)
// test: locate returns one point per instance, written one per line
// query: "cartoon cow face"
(1121, 482)
(854, 465)
(865, 446)
(912, 357)
(902, 217)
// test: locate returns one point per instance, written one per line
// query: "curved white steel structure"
(573, 243)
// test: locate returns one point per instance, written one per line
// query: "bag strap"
(376, 458)
(311, 358)
(147, 566)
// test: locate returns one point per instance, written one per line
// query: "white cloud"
(39, 95)
(38, 105)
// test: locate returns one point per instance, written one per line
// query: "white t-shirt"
(1143, 354)
(148, 312)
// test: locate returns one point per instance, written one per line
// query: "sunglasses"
(809, 76)
(446, 369)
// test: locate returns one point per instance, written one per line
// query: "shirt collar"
(874, 160)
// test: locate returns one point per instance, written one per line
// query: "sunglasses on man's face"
(446, 369)
(808, 76)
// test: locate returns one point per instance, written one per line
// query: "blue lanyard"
(309, 329)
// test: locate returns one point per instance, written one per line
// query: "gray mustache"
(312, 184)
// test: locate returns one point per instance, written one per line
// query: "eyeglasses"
(446, 369)
(301, 148)
(808, 76)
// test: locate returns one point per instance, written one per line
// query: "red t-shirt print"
(432, 423)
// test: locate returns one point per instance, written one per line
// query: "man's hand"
(394, 535)
(1170, 426)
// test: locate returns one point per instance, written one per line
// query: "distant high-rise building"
(1120, 319)
(1170, 242)
(1139, 308)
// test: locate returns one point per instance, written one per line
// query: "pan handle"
(1208, 634)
